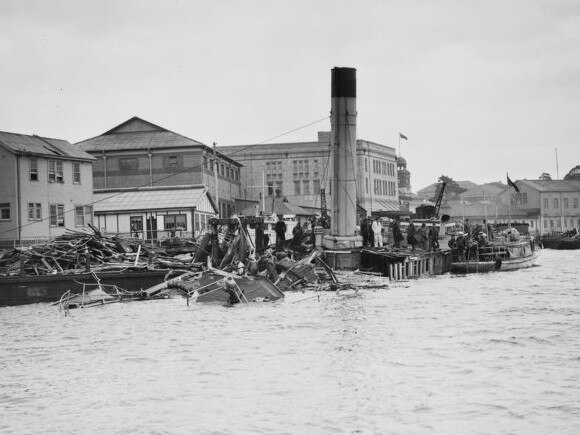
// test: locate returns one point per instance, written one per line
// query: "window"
(367, 185)
(306, 169)
(295, 167)
(545, 224)
(566, 203)
(297, 187)
(83, 215)
(5, 211)
(306, 187)
(128, 164)
(222, 170)
(279, 186)
(270, 188)
(33, 169)
(316, 186)
(575, 202)
(56, 215)
(76, 172)
(228, 172)
(171, 162)
(136, 223)
(55, 173)
(556, 203)
(205, 162)
(551, 223)
(279, 164)
(366, 165)
(175, 222)
(316, 169)
(545, 201)
(34, 211)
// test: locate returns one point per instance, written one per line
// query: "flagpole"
(399, 144)
(509, 203)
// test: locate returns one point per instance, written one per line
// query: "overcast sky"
(480, 88)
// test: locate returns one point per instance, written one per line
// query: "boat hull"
(561, 244)
(498, 265)
(16, 290)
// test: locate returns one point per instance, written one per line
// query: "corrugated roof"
(147, 199)
(42, 146)
(137, 140)
(553, 185)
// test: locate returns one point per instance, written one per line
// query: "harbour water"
(496, 353)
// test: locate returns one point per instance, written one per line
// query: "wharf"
(400, 265)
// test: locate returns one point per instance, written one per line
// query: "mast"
(215, 179)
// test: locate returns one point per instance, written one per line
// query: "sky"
(480, 88)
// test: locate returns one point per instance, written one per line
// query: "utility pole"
(215, 179)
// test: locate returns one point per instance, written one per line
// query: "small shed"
(153, 213)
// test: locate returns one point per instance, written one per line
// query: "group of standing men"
(372, 234)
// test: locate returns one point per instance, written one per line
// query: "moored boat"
(501, 255)
(564, 241)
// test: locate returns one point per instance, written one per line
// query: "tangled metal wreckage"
(232, 264)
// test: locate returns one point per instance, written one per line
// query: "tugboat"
(512, 251)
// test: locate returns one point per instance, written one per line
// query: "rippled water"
(497, 353)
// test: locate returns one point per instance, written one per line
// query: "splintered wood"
(78, 251)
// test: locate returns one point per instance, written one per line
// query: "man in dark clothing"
(461, 245)
(411, 240)
(433, 238)
(397, 235)
(280, 229)
(297, 234)
(364, 232)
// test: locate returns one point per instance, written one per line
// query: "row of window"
(223, 169)
(565, 203)
(83, 213)
(384, 187)
(172, 222)
(274, 169)
(381, 167)
(568, 223)
(302, 168)
(55, 171)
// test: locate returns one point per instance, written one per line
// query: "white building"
(46, 187)
(154, 213)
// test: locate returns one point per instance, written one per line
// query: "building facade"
(47, 187)
(299, 171)
(553, 205)
(138, 153)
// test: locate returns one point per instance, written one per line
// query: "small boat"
(499, 256)
(565, 241)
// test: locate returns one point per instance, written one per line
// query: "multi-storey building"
(138, 153)
(299, 170)
(47, 187)
(552, 205)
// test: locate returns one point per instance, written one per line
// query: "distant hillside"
(430, 190)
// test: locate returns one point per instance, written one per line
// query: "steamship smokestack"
(343, 140)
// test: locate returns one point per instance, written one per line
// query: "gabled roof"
(552, 185)
(149, 198)
(136, 133)
(24, 144)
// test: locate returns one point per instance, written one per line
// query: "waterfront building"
(138, 153)
(154, 212)
(47, 187)
(553, 205)
(299, 170)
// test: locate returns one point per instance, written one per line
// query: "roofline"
(150, 188)
(50, 156)
(141, 210)
(128, 121)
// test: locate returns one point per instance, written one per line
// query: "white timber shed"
(153, 213)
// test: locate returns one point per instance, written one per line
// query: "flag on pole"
(512, 184)
(402, 136)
